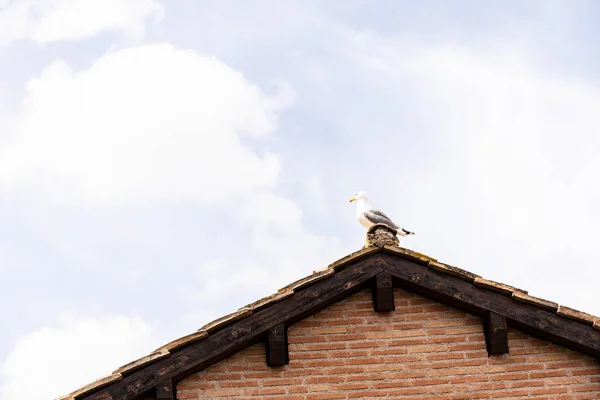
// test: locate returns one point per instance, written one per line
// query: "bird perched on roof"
(368, 216)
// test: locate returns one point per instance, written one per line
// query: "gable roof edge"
(207, 331)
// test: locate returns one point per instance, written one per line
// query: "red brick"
(325, 396)
(223, 392)
(422, 350)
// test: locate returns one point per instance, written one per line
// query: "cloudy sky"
(163, 163)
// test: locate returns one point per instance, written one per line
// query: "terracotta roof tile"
(597, 324)
(225, 321)
(352, 257)
(536, 301)
(182, 341)
(265, 301)
(497, 286)
(576, 315)
(409, 253)
(132, 366)
(454, 271)
(316, 276)
(97, 384)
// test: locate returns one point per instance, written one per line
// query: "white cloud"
(152, 125)
(147, 122)
(278, 250)
(155, 123)
(45, 21)
(513, 160)
(279, 232)
(58, 359)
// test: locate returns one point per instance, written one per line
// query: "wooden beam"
(165, 390)
(349, 279)
(217, 346)
(277, 346)
(480, 301)
(383, 293)
(496, 334)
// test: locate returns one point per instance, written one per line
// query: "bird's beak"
(352, 199)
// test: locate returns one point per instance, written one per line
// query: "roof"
(157, 373)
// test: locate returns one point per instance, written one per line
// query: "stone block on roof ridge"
(301, 283)
(576, 315)
(497, 286)
(182, 341)
(414, 255)
(382, 235)
(336, 265)
(597, 324)
(97, 384)
(140, 362)
(226, 320)
(536, 301)
(265, 301)
(454, 271)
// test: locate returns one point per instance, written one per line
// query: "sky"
(163, 163)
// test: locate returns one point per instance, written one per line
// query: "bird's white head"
(360, 195)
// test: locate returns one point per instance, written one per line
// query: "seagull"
(368, 216)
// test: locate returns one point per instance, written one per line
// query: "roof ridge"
(244, 312)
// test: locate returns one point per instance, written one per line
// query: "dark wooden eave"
(496, 304)
(383, 293)
(277, 346)
(244, 333)
(480, 301)
(496, 333)
(165, 390)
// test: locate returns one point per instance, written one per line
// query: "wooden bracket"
(277, 346)
(496, 334)
(383, 293)
(165, 390)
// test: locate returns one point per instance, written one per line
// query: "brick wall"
(423, 350)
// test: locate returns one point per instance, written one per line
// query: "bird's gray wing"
(378, 217)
